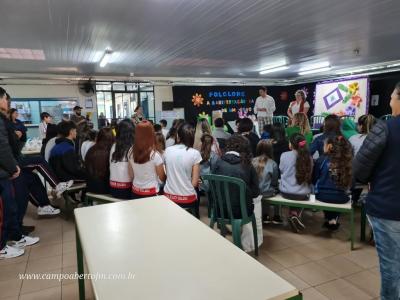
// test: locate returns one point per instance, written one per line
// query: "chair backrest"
(317, 121)
(280, 120)
(386, 117)
(220, 192)
(353, 118)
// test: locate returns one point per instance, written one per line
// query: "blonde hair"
(300, 119)
(202, 127)
(301, 94)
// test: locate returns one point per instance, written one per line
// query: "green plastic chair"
(317, 121)
(280, 120)
(386, 117)
(219, 188)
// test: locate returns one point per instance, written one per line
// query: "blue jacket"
(65, 162)
(325, 187)
(378, 163)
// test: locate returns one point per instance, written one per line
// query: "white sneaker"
(10, 252)
(47, 210)
(26, 240)
(62, 187)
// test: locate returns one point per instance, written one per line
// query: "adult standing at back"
(378, 164)
(300, 105)
(77, 117)
(264, 108)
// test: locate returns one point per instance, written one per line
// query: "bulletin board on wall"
(233, 101)
(347, 97)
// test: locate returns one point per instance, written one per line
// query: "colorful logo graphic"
(333, 98)
(197, 100)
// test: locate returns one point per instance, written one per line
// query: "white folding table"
(171, 255)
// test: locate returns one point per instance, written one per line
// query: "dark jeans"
(28, 186)
(10, 229)
(39, 164)
(125, 194)
(331, 215)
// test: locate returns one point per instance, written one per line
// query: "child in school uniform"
(146, 162)
(121, 173)
(268, 175)
(332, 176)
(296, 176)
(182, 163)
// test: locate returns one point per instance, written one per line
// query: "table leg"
(79, 255)
(352, 228)
(363, 222)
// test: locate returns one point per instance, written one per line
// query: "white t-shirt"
(164, 132)
(356, 142)
(295, 107)
(264, 106)
(42, 130)
(120, 176)
(145, 179)
(170, 142)
(179, 162)
(50, 144)
(86, 145)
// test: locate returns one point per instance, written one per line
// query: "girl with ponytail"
(332, 176)
(296, 176)
(365, 124)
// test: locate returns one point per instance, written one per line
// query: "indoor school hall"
(199, 150)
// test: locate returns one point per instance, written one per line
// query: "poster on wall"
(343, 97)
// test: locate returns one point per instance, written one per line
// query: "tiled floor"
(319, 264)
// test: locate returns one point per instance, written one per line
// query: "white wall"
(162, 94)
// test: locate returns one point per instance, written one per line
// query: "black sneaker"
(26, 230)
(267, 220)
(298, 222)
(333, 227)
(277, 220)
(293, 225)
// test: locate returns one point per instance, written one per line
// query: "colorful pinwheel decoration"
(350, 110)
(197, 100)
(356, 100)
(353, 88)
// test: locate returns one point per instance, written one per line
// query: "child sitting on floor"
(332, 176)
(296, 176)
(268, 175)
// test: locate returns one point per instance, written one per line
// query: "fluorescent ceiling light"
(320, 65)
(106, 58)
(315, 71)
(276, 69)
(23, 54)
(393, 65)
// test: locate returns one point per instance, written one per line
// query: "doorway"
(125, 104)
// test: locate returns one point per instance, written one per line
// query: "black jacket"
(253, 139)
(378, 163)
(230, 165)
(8, 164)
(65, 162)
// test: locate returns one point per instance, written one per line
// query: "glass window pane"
(103, 86)
(130, 86)
(118, 86)
(146, 87)
(58, 109)
(29, 111)
(147, 101)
